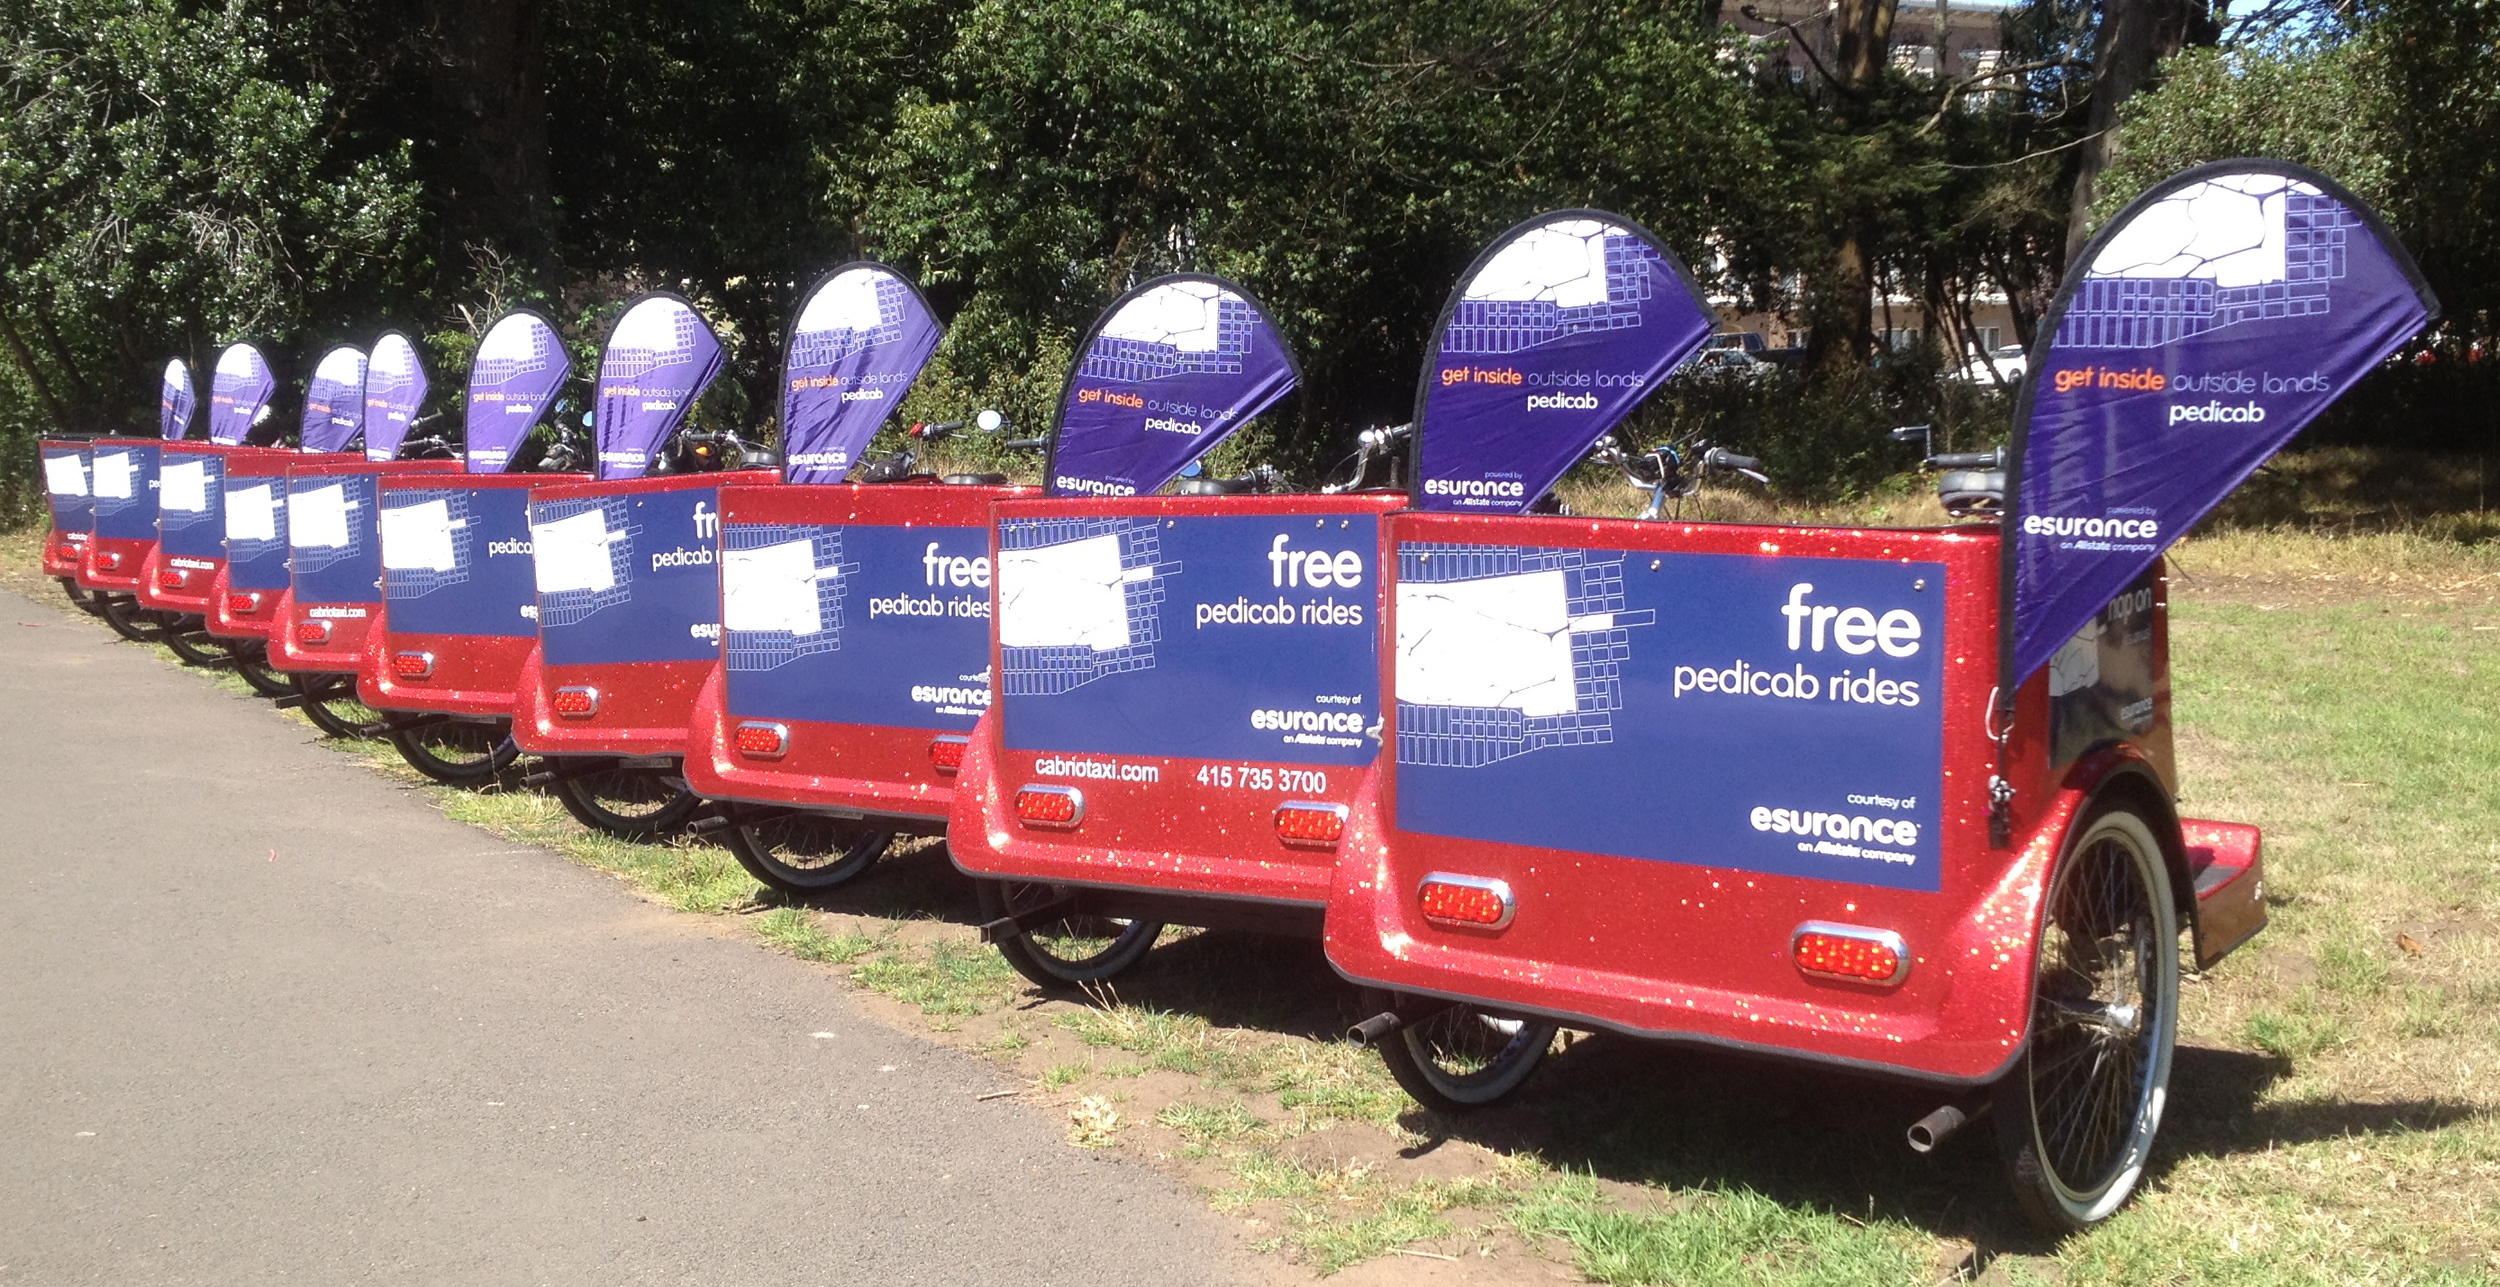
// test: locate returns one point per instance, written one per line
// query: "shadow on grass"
(1651, 1113)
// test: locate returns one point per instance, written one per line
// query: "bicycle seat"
(1969, 492)
(976, 480)
(1214, 486)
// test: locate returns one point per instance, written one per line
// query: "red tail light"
(946, 751)
(1050, 806)
(1475, 902)
(1850, 952)
(1301, 822)
(578, 701)
(762, 739)
(173, 578)
(312, 633)
(243, 604)
(412, 665)
(107, 559)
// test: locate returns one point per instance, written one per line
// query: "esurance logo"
(2098, 529)
(1475, 488)
(1092, 486)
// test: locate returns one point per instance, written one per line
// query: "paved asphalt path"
(265, 1017)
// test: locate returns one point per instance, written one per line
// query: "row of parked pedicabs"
(1899, 801)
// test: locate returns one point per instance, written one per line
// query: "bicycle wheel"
(1067, 951)
(1463, 1057)
(131, 619)
(86, 599)
(251, 661)
(631, 803)
(458, 752)
(800, 852)
(2077, 1115)
(188, 636)
(331, 703)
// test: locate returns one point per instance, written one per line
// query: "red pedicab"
(1187, 684)
(251, 508)
(122, 498)
(1884, 821)
(855, 615)
(70, 502)
(320, 621)
(628, 584)
(444, 659)
(180, 576)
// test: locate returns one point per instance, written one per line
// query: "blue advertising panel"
(456, 561)
(1250, 638)
(238, 393)
(334, 400)
(520, 365)
(66, 488)
(1559, 329)
(1171, 369)
(395, 387)
(658, 360)
(2211, 321)
(190, 504)
(632, 577)
(256, 544)
(122, 475)
(334, 541)
(1777, 715)
(857, 624)
(859, 343)
(175, 401)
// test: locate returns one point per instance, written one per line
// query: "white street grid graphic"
(64, 475)
(1565, 278)
(322, 528)
(2228, 250)
(857, 310)
(187, 491)
(426, 543)
(117, 482)
(519, 345)
(1176, 328)
(236, 363)
(255, 518)
(653, 334)
(1078, 599)
(584, 551)
(782, 586)
(1504, 650)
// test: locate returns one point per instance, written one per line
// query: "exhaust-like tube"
(1374, 1030)
(1932, 1130)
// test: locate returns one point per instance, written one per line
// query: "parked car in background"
(2003, 365)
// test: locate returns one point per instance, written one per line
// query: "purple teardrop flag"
(657, 362)
(334, 400)
(394, 388)
(1172, 368)
(1556, 332)
(238, 393)
(2211, 321)
(175, 402)
(520, 365)
(860, 341)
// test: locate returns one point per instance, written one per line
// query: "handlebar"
(1990, 459)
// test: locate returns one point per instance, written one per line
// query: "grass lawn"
(2335, 1111)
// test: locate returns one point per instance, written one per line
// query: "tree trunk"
(1844, 323)
(492, 85)
(2135, 35)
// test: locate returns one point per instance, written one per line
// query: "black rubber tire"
(1043, 954)
(1461, 1058)
(629, 803)
(131, 619)
(800, 853)
(2077, 1114)
(251, 661)
(88, 601)
(461, 753)
(188, 636)
(331, 703)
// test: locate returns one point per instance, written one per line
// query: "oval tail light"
(575, 701)
(1852, 952)
(1467, 902)
(1311, 824)
(946, 752)
(1057, 807)
(762, 739)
